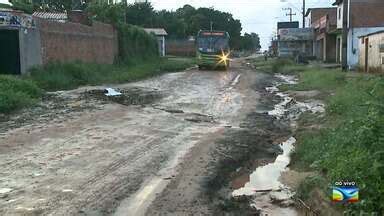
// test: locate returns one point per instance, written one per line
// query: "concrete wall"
(67, 42)
(30, 52)
(375, 57)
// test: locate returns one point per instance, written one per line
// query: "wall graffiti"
(13, 19)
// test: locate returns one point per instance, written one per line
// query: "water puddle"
(269, 194)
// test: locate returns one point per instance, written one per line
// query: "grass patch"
(350, 146)
(16, 93)
(65, 76)
(317, 79)
(20, 92)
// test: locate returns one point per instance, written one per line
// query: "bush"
(135, 44)
(64, 76)
(352, 146)
(16, 93)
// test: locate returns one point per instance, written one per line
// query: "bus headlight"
(224, 58)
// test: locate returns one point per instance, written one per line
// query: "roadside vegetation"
(21, 92)
(347, 144)
(16, 93)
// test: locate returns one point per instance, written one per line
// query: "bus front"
(213, 49)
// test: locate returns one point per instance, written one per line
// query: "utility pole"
(344, 51)
(303, 13)
(211, 26)
(290, 14)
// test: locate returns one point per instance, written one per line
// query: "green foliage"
(135, 44)
(107, 13)
(187, 21)
(351, 146)
(16, 93)
(249, 42)
(59, 76)
(317, 78)
(48, 5)
(2, 5)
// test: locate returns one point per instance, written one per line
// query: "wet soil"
(169, 145)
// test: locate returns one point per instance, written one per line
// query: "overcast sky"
(259, 16)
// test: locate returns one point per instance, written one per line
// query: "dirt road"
(93, 155)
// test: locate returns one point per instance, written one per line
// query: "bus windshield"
(212, 43)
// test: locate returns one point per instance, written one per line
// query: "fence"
(65, 42)
(180, 47)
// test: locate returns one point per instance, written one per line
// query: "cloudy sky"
(258, 16)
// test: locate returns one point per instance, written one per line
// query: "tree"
(141, 14)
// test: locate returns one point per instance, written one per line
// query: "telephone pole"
(344, 43)
(290, 14)
(303, 13)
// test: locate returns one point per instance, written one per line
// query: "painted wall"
(353, 43)
(30, 52)
(375, 56)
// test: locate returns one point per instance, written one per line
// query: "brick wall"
(67, 42)
(367, 13)
(180, 47)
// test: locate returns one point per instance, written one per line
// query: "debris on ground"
(111, 92)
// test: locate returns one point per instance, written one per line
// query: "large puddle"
(269, 195)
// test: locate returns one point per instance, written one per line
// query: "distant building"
(294, 42)
(160, 34)
(364, 17)
(324, 23)
(371, 52)
(285, 25)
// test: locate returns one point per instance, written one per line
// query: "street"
(113, 158)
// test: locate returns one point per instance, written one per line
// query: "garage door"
(9, 53)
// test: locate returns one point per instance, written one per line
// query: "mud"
(169, 145)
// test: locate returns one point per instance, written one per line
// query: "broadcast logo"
(345, 192)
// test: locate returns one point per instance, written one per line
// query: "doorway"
(10, 52)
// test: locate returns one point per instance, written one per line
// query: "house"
(20, 38)
(364, 17)
(324, 23)
(285, 25)
(371, 52)
(160, 34)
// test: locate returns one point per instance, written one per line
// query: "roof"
(51, 16)
(337, 2)
(156, 31)
(373, 33)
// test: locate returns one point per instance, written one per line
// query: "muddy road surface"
(149, 151)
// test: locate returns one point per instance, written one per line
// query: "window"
(339, 13)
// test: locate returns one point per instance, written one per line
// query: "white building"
(160, 34)
(364, 17)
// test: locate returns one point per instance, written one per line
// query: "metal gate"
(9, 52)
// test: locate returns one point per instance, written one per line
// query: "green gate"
(9, 52)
